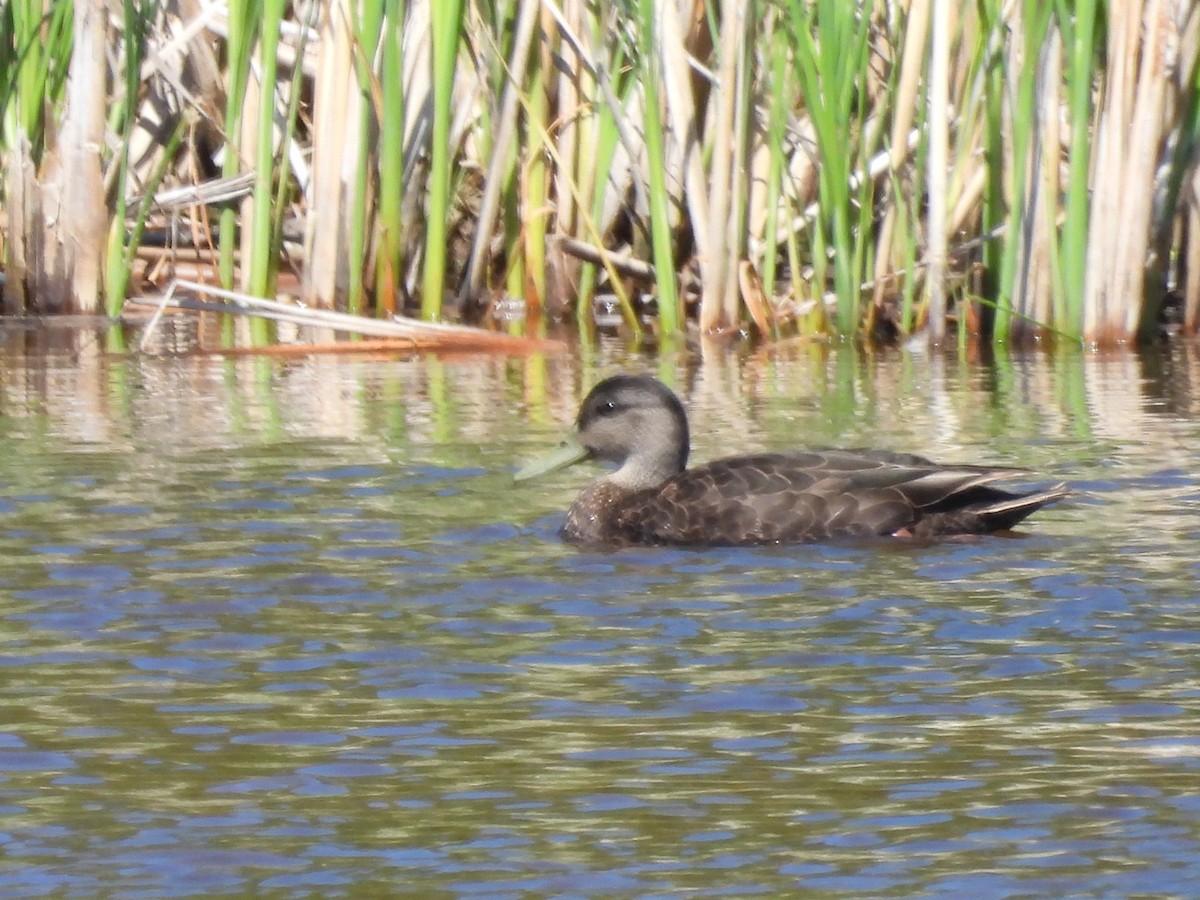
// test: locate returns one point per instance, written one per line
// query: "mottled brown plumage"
(652, 498)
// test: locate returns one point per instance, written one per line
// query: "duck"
(639, 425)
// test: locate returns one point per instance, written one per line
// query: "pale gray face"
(634, 415)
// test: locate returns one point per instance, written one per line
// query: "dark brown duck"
(637, 423)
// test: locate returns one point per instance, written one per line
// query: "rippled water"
(288, 628)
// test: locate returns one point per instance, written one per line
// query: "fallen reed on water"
(815, 167)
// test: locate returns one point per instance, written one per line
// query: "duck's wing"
(818, 495)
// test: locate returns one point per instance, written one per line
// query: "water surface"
(287, 628)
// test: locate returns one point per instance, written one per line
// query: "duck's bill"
(569, 452)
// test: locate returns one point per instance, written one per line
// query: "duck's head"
(633, 421)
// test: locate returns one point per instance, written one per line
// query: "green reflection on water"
(300, 608)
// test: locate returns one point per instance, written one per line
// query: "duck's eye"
(602, 409)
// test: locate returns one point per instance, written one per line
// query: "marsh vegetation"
(999, 170)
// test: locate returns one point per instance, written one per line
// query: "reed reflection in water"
(288, 628)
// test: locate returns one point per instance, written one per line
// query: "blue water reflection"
(287, 671)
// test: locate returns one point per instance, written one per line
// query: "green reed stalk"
(498, 141)
(367, 23)
(390, 162)
(35, 57)
(604, 149)
(514, 282)
(937, 173)
(535, 182)
(993, 205)
(778, 113)
(238, 46)
(574, 87)
(446, 27)
(1079, 35)
(1035, 25)
(831, 68)
(23, 65)
(670, 314)
(262, 253)
(35, 48)
(238, 42)
(601, 155)
(970, 169)
(120, 251)
(284, 187)
(604, 98)
(592, 230)
(906, 242)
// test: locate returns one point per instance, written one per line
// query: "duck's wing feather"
(818, 495)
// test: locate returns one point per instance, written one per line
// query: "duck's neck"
(638, 474)
(661, 455)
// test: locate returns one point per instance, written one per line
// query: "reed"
(778, 111)
(239, 44)
(661, 243)
(390, 161)
(120, 250)
(596, 163)
(446, 28)
(367, 28)
(51, 122)
(831, 53)
(1015, 168)
(1079, 38)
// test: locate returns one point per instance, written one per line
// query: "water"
(287, 628)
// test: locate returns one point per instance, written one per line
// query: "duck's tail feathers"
(1002, 515)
